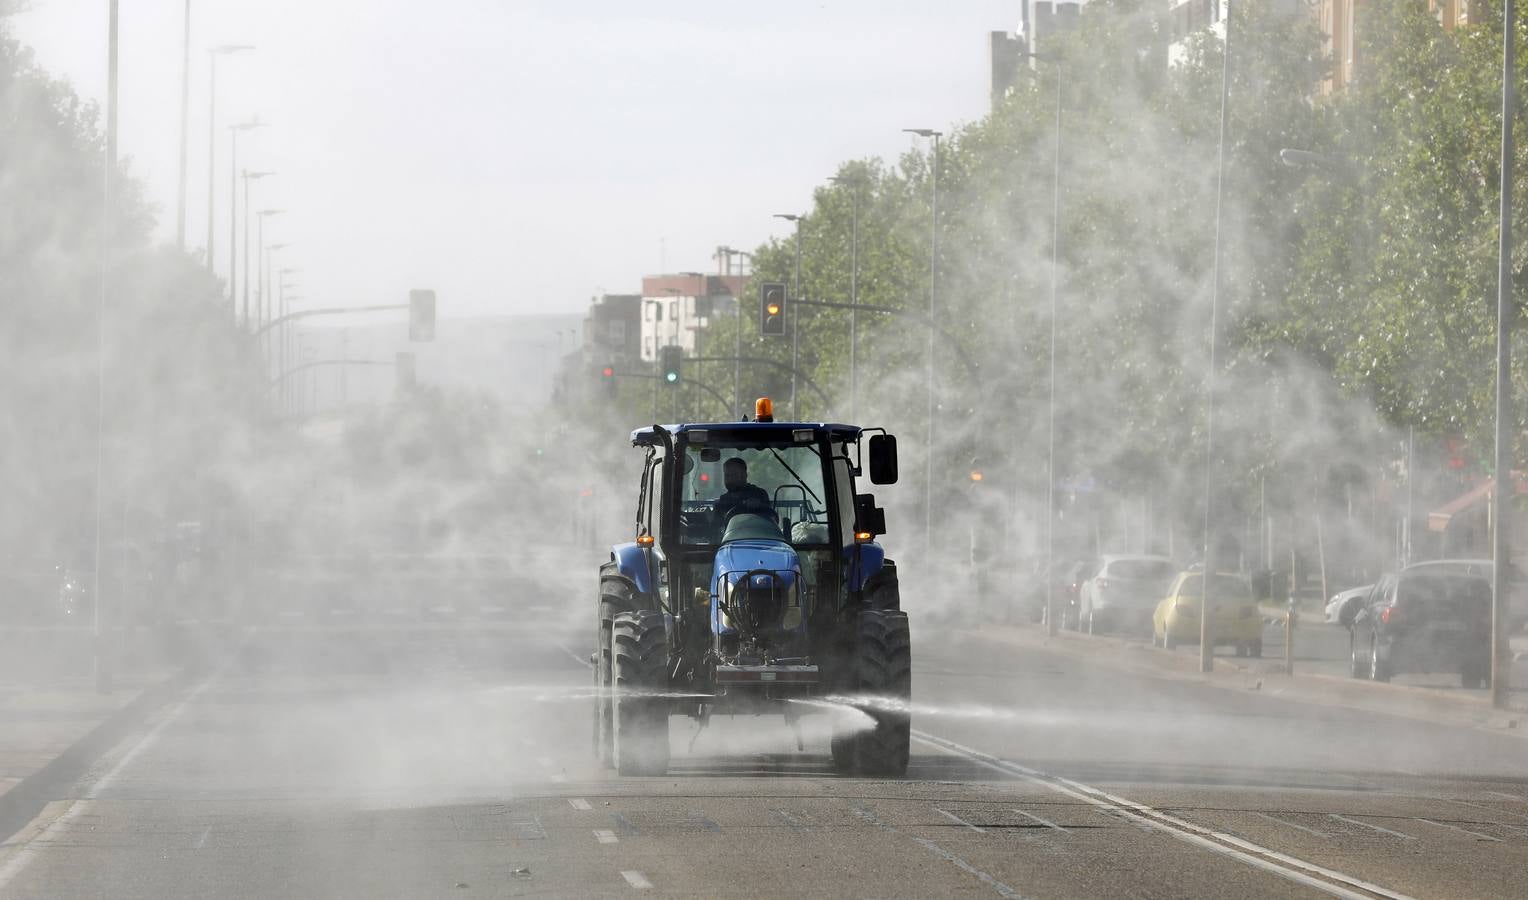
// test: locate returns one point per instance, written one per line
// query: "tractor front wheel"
(641, 714)
(881, 677)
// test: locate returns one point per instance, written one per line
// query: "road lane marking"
(579, 803)
(1297, 870)
(1002, 889)
(1473, 834)
(791, 822)
(959, 821)
(1507, 796)
(1294, 825)
(605, 836)
(1046, 822)
(637, 880)
(1382, 830)
(202, 842)
(29, 852)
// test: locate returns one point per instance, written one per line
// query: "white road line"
(1399, 834)
(1294, 825)
(791, 822)
(637, 880)
(202, 842)
(1297, 870)
(579, 803)
(1046, 822)
(1002, 889)
(1473, 834)
(1507, 796)
(959, 821)
(29, 851)
(605, 836)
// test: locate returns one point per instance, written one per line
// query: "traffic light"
(607, 375)
(669, 359)
(421, 315)
(772, 309)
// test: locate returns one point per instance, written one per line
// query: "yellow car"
(1235, 618)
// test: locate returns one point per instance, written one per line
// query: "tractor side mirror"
(883, 459)
(868, 518)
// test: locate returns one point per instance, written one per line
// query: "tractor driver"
(740, 496)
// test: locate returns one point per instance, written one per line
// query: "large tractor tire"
(880, 670)
(641, 715)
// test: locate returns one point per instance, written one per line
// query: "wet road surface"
(454, 760)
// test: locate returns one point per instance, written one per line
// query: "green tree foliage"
(177, 376)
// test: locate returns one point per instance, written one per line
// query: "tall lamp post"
(212, 141)
(1505, 307)
(1206, 626)
(1050, 430)
(856, 182)
(795, 293)
(933, 279)
(248, 177)
(100, 655)
(185, 136)
(262, 314)
(233, 212)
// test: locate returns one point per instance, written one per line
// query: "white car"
(1123, 592)
(1341, 597)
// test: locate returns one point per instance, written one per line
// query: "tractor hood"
(747, 573)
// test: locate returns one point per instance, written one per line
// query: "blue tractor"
(754, 585)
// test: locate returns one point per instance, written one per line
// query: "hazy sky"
(517, 156)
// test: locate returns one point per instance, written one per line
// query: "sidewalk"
(54, 723)
(1455, 707)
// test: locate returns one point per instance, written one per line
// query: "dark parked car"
(1422, 622)
(1065, 577)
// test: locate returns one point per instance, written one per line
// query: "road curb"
(1331, 691)
(31, 794)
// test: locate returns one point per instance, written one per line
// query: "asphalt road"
(453, 760)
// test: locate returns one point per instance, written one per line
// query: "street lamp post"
(233, 213)
(1501, 668)
(796, 294)
(212, 141)
(267, 285)
(856, 182)
(248, 176)
(933, 278)
(185, 137)
(1206, 627)
(262, 313)
(100, 655)
(1050, 430)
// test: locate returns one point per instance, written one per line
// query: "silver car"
(1123, 591)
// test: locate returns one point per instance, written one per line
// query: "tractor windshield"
(781, 483)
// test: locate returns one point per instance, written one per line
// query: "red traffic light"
(608, 372)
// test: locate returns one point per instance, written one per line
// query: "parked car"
(1422, 621)
(1065, 578)
(1334, 605)
(1235, 620)
(1517, 583)
(1122, 591)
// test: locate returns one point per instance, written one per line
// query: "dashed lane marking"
(959, 821)
(202, 841)
(637, 880)
(791, 822)
(605, 836)
(1046, 822)
(1474, 834)
(579, 803)
(1288, 867)
(1295, 825)
(1002, 889)
(1381, 829)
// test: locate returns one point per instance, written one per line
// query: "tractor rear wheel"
(641, 714)
(881, 672)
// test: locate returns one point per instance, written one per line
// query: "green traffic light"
(671, 377)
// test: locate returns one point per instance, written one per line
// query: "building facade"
(613, 329)
(674, 309)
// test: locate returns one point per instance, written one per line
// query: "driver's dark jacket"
(749, 498)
